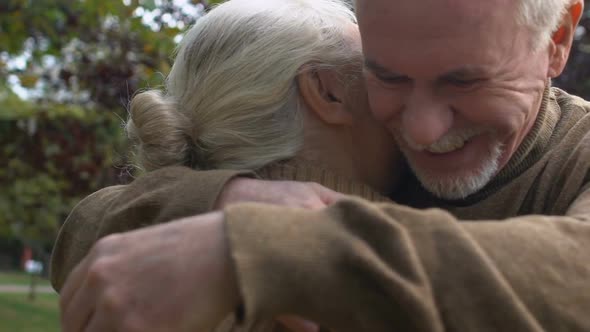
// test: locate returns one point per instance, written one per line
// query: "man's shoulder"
(565, 166)
(569, 101)
(571, 116)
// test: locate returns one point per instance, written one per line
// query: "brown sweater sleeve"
(157, 197)
(358, 266)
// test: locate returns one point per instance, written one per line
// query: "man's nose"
(425, 120)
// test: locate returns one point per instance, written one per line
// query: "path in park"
(22, 289)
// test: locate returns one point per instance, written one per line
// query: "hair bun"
(160, 133)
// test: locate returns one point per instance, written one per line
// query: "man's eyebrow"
(466, 72)
(470, 72)
(378, 69)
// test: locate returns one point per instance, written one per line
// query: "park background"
(67, 70)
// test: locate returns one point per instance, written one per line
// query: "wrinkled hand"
(171, 277)
(307, 195)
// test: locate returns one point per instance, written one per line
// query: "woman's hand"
(308, 195)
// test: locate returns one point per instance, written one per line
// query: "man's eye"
(465, 83)
(395, 80)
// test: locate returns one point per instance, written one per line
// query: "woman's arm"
(156, 197)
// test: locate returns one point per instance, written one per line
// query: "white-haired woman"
(270, 86)
(260, 82)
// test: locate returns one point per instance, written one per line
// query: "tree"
(67, 71)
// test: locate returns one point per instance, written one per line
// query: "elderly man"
(465, 87)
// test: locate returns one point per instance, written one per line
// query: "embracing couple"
(412, 171)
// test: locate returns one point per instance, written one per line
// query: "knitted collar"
(305, 171)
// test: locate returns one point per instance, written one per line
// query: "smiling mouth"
(447, 148)
(451, 142)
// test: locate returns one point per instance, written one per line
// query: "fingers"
(78, 311)
(99, 322)
(297, 324)
(79, 295)
(73, 282)
(327, 196)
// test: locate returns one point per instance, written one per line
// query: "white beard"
(454, 187)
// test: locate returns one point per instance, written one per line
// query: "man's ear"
(562, 39)
(325, 96)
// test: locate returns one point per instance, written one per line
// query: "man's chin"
(454, 188)
(458, 186)
(458, 183)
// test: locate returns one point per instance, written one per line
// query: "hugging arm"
(364, 266)
(380, 267)
(156, 197)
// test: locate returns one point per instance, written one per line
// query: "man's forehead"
(426, 10)
(457, 4)
(409, 31)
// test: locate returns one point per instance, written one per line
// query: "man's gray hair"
(543, 17)
(231, 99)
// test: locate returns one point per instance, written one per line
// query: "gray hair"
(543, 17)
(231, 99)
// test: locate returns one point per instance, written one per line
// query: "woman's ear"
(325, 95)
(562, 39)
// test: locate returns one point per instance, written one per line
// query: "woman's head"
(232, 99)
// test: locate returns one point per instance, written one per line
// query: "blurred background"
(67, 70)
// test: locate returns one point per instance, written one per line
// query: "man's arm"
(354, 266)
(157, 197)
(362, 266)
(164, 195)
(380, 267)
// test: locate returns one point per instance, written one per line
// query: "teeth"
(447, 145)
(450, 142)
(453, 141)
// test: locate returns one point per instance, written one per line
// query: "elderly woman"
(260, 82)
(269, 86)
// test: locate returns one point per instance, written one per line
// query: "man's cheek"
(501, 116)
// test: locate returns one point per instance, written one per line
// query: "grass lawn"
(18, 314)
(19, 278)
